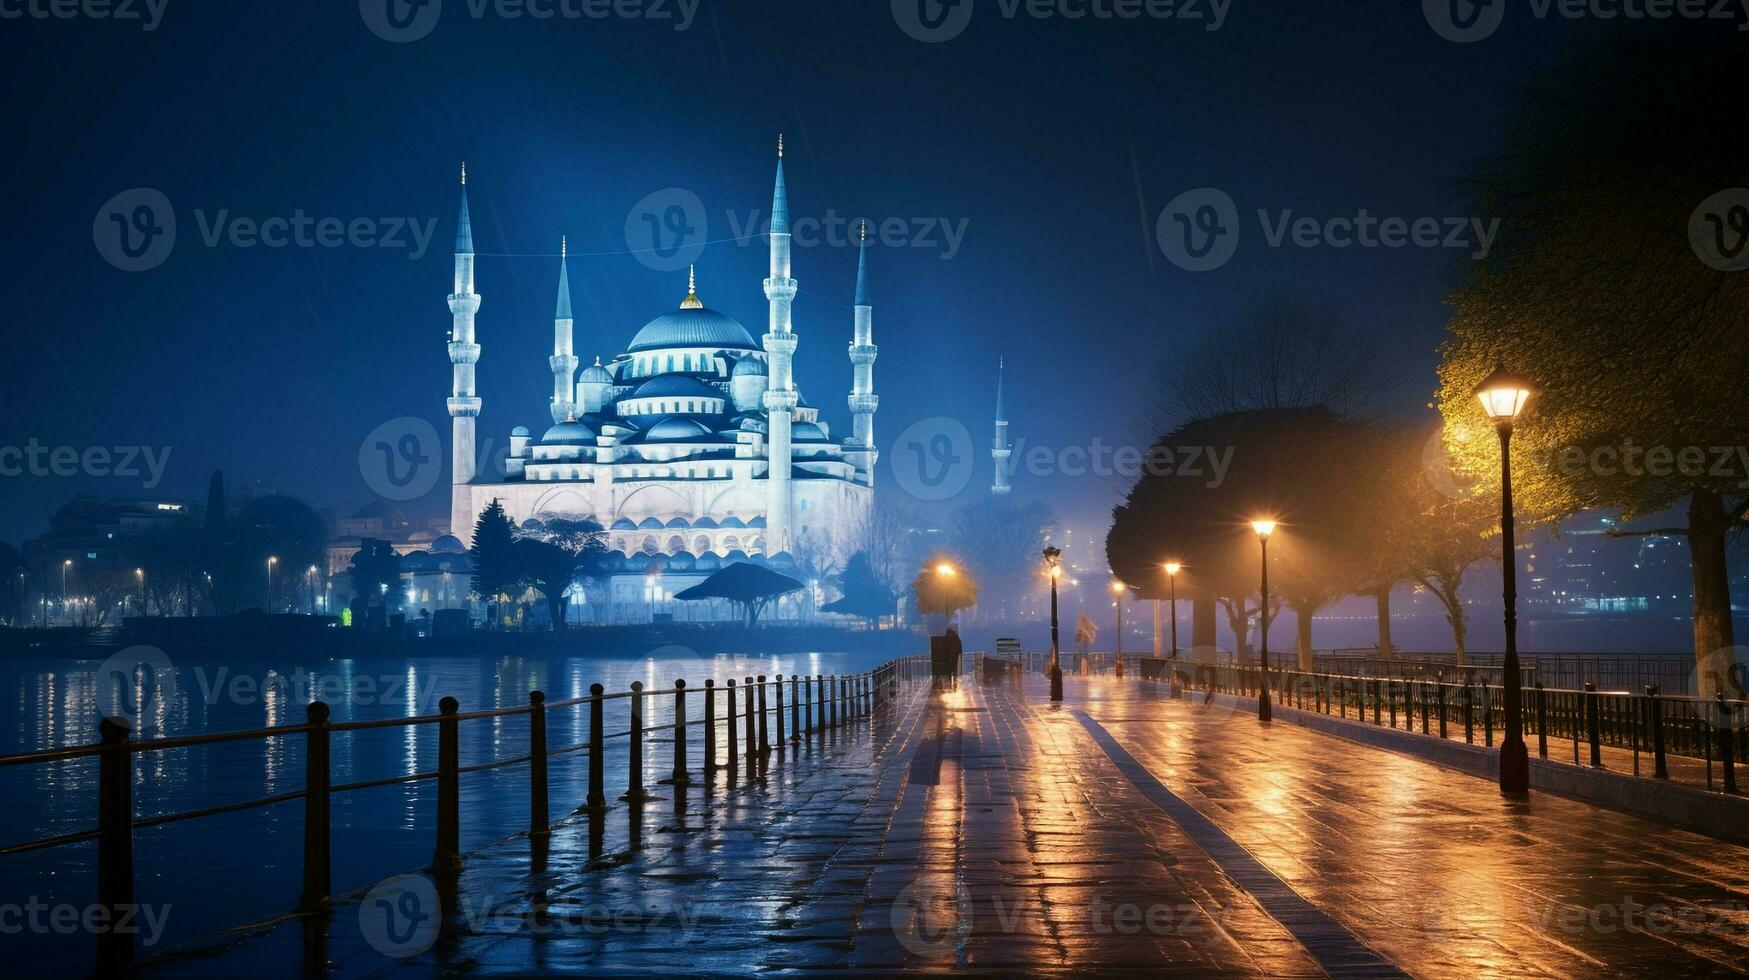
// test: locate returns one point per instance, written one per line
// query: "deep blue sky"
(1058, 142)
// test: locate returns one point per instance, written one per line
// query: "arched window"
(731, 543)
(651, 546)
(701, 545)
(676, 544)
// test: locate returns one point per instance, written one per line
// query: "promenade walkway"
(982, 828)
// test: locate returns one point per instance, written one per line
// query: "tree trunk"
(1707, 524)
(1303, 613)
(1241, 627)
(1202, 628)
(1383, 597)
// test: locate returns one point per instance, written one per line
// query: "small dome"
(595, 372)
(677, 428)
(447, 544)
(568, 434)
(807, 432)
(520, 432)
(749, 366)
(692, 328)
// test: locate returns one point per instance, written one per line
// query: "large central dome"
(692, 327)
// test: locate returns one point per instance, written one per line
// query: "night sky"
(1057, 143)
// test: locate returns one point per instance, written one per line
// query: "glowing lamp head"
(1056, 571)
(1117, 587)
(944, 569)
(1263, 528)
(1172, 567)
(1503, 394)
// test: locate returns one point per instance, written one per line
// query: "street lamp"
(1264, 529)
(65, 566)
(271, 561)
(1503, 396)
(944, 571)
(1117, 588)
(1172, 568)
(140, 574)
(312, 580)
(1054, 568)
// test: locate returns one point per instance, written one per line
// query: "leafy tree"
(282, 528)
(174, 560)
(866, 595)
(572, 548)
(12, 588)
(495, 571)
(376, 575)
(939, 594)
(1595, 290)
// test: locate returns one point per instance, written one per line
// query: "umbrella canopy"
(744, 583)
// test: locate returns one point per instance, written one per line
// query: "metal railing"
(817, 704)
(1713, 731)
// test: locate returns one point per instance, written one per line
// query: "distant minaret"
(780, 347)
(999, 450)
(564, 359)
(464, 353)
(863, 400)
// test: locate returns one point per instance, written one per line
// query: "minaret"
(464, 353)
(999, 450)
(863, 400)
(780, 347)
(564, 359)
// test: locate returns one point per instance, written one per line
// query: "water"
(219, 872)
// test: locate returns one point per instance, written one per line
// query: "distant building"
(80, 571)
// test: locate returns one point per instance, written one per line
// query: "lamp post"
(1117, 589)
(1054, 568)
(1503, 396)
(140, 575)
(271, 561)
(1172, 568)
(312, 581)
(66, 611)
(1264, 529)
(944, 571)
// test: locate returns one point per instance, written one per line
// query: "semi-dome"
(519, 431)
(749, 366)
(567, 433)
(699, 327)
(675, 386)
(447, 544)
(677, 428)
(808, 432)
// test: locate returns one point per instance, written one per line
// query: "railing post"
(635, 752)
(764, 743)
(1656, 706)
(1542, 721)
(820, 694)
(1727, 764)
(777, 709)
(317, 860)
(1375, 701)
(597, 795)
(1469, 713)
(1439, 693)
(1591, 725)
(750, 728)
(710, 726)
(115, 844)
(539, 820)
(732, 729)
(680, 778)
(795, 708)
(447, 855)
(1391, 695)
(808, 716)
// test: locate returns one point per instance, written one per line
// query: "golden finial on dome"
(691, 302)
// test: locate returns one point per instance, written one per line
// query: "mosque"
(692, 447)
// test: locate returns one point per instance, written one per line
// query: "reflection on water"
(221, 871)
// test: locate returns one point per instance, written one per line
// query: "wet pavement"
(981, 828)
